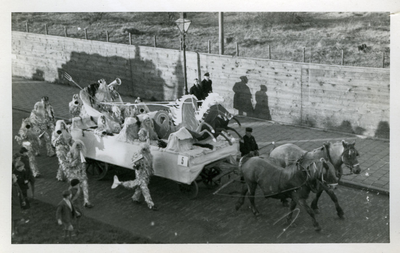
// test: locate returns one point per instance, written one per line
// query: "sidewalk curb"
(363, 187)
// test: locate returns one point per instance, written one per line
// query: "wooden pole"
(269, 52)
(86, 34)
(155, 40)
(342, 62)
(304, 54)
(221, 32)
(26, 27)
(107, 38)
(383, 59)
(130, 38)
(209, 48)
(65, 31)
(237, 49)
(46, 31)
(180, 48)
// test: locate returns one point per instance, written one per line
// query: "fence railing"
(335, 56)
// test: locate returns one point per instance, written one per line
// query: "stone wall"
(349, 99)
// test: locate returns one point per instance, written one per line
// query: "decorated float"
(189, 144)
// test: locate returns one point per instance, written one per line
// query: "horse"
(295, 181)
(337, 154)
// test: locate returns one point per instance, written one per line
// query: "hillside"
(323, 36)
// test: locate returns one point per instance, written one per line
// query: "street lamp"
(183, 25)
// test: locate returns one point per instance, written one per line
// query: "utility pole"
(221, 32)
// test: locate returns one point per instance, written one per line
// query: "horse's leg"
(332, 194)
(293, 205)
(207, 132)
(303, 203)
(314, 203)
(235, 119)
(252, 191)
(208, 125)
(226, 138)
(231, 129)
(32, 183)
(243, 193)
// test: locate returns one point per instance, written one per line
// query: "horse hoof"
(318, 228)
(341, 216)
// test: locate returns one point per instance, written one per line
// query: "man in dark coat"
(197, 90)
(249, 144)
(206, 84)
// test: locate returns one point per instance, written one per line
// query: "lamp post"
(183, 25)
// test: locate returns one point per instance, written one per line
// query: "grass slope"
(323, 35)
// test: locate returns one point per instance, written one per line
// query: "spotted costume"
(143, 165)
(62, 140)
(38, 118)
(49, 113)
(76, 168)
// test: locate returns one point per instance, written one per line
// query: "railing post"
(180, 43)
(86, 34)
(107, 38)
(383, 59)
(26, 27)
(342, 62)
(155, 40)
(269, 52)
(304, 54)
(46, 31)
(237, 49)
(65, 31)
(130, 38)
(209, 47)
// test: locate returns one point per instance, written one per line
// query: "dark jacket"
(197, 91)
(249, 144)
(207, 87)
(64, 213)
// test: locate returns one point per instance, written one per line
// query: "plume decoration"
(211, 99)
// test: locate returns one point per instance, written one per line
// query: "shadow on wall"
(383, 130)
(38, 76)
(140, 78)
(262, 109)
(242, 100)
(179, 88)
(242, 97)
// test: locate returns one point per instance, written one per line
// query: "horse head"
(349, 157)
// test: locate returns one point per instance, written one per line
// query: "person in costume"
(62, 140)
(143, 165)
(38, 118)
(76, 168)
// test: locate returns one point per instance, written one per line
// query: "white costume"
(62, 141)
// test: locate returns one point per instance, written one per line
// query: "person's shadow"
(262, 109)
(242, 97)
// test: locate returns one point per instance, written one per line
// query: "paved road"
(212, 218)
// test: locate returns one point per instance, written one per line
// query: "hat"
(249, 129)
(23, 150)
(66, 193)
(74, 182)
(45, 98)
(207, 74)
